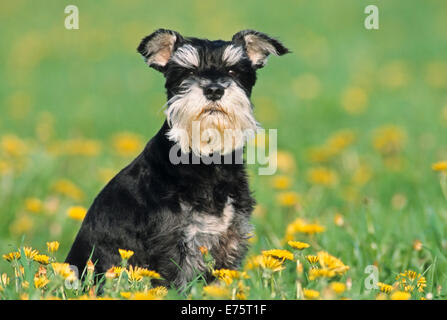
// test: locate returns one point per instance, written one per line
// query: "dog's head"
(209, 85)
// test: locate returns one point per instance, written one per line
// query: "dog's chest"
(213, 232)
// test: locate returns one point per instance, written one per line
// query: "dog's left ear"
(259, 46)
(157, 48)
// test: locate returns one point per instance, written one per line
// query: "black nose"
(214, 92)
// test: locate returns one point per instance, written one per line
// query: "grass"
(361, 117)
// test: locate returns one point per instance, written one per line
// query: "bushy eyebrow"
(187, 56)
(232, 55)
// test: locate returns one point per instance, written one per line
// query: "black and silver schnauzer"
(164, 211)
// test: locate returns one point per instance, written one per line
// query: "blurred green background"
(78, 105)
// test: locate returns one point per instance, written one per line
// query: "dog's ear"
(157, 48)
(259, 46)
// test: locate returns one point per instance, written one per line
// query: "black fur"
(143, 207)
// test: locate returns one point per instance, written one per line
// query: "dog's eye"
(191, 73)
(231, 72)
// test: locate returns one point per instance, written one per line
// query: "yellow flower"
(42, 258)
(117, 270)
(288, 198)
(63, 270)
(228, 276)
(411, 279)
(312, 259)
(125, 294)
(332, 263)
(30, 253)
(33, 205)
(270, 263)
(301, 226)
(322, 176)
(134, 274)
(279, 254)
(315, 273)
(69, 189)
(440, 166)
(77, 212)
(13, 146)
(354, 100)
(11, 256)
(389, 140)
(216, 291)
(144, 296)
(385, 287)
(40, 282)
(159, 291)
(285, 161)
(53, 246)
(127, 144)
(298, 245)
(125, 254)
(338, 287)
(281, 182)
(311, 294)
(400, 295)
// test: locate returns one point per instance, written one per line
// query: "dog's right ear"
(157, 48)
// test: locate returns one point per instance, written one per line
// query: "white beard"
(205, 126)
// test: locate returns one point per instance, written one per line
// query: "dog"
(166, 211)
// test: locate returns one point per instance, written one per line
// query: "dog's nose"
(214, 92)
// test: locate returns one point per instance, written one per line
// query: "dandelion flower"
(338, 287)
(159, 291)
(77, 213)
(322, 176)
(400, 295)
(134, 274)
(42, 259)
(125, 294)
(389, 139)
(279, 254)
(312, 259)
(53, 246)
(11, 256)
(281, 182)
(125, 254)
(30, 253)
(33, 205)
(311, 294)
(216, 291)
(386, 288)
(40, 282)
(315, 273)
(63, 270)
(288, 198)
(439, 166)
(228, 276)
(332, 263)
(127, 144)
(298, 245)
(301, 226)
(69, 189)
(270, 263)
